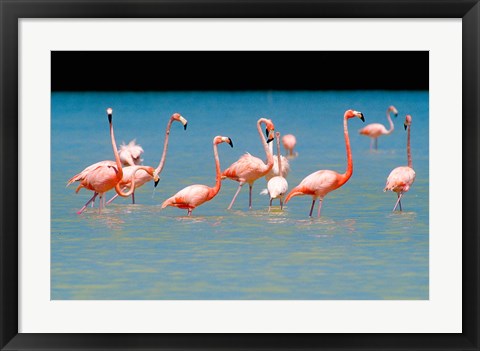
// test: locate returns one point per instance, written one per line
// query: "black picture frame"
(12, 11)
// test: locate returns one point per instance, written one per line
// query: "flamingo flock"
(126, 173)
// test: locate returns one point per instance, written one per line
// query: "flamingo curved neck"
(265, 145)
(132, 185)
(348, 173)
(115, 152)
(409, 154)
(218, 174)
(390, 121)
(159, 169)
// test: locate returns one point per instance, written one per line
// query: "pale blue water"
(358, 249)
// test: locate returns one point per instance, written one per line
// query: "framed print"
(123, 227)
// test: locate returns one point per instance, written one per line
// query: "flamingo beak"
(405, 126)
(155, 183)
(270, 135)
(184, 122)
(361, 117)
(109, 114)
(395, 114)
(230, 142)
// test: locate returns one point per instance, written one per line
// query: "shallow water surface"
(357, 249)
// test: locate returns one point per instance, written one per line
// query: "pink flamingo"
(374, 130)
(248, 168)
(320, 183)
(104, 175)
(130, 154)
(277, 186)
(401, 178)
(143, 177)
(194, 195)
(289, 141)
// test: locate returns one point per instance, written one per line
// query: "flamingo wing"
(247, 168)
(400, 179)
(373, 130)
(189, 197)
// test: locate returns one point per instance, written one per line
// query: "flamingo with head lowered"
(130, 154)
(249, 168)
(143, 177)
(375, 130)
(401, 178)
(320, 183)
(194, 195)
(105, 175)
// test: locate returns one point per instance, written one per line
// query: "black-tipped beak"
(395, 114)
(155, 183)
(269, 140)
(405, 126)
(362, 118)
(230, 142)
(109, 118)
(185, 126)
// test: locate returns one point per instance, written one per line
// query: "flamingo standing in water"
(289, 141)
(374, 130)
(143, 177)
(320, 183)
(105, 175)
(401, 178)
(194, 195)
(277, 186)
(248, 168)
(130, 154)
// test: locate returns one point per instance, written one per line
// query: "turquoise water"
(357, 250)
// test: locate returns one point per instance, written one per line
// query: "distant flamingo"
(277, 186)
(401, 178)
(374, 130)
(248, 168)
(320, 183)
(130, 154)
(194, 195)
(143, 177)
(289, 141)
(104, 175)
(275, 171)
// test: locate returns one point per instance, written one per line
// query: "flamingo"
(401, 178)
(194, 195)
(248, 168)
(104, 175)
(318, 184)
(275, 170)
(374, 130)
(289, 141)
(130, 154)
(143, 177)
(277, 186)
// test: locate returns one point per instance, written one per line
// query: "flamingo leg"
(189, 212)
(311, 208)
(281, 204)
(250, 196)
(85, 206)
(320, 202)
(113, 198)
(398, 201)
(270, 205)
(100, 203)
(235, 196)
(133, 198)
(376, 143)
